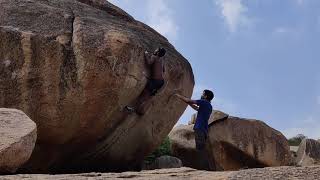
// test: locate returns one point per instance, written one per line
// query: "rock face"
(285, 172)
(308, 153)
(72, 66)
(18, 134)
(233, 143)
(165, 162)
(238, 143)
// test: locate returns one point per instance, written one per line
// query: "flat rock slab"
(18, 135)
(283, 173)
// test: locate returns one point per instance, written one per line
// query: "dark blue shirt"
(204, 113)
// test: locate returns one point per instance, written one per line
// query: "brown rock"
(234, 143)
(72, 66)
(164, 162)
(308, 153)
(18, 134)
(215, 116)
(237, 143)
(271, 173)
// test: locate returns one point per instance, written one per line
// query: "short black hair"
(161, 52)
(209, 94)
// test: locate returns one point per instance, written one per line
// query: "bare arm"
(190, 102)
(148, 58)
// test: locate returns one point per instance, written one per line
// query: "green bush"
(295, 141)
(162, 150)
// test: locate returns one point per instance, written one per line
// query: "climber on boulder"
(155, 82)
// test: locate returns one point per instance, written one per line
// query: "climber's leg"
(152, 87)
(144, 96)
(150, 90)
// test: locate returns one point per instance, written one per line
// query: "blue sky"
(260, 57)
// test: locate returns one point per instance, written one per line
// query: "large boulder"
(308, 153)
(245, 143)
(18, 134)
(72, 66)
(234, 143)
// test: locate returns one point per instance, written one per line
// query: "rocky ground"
(305, 173)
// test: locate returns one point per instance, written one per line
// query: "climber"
(204, 108)
(155, 82)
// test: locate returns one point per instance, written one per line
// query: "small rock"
(164, 162)
(18, 137)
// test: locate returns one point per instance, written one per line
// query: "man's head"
(160, 52)
(207, 94)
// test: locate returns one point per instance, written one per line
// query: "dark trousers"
(203, 148)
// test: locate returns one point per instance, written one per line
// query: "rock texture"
(164, 162)
(239, 143)
(308, 153)
(283, 173)
(18, 134)
(71, 66)
(233, 143)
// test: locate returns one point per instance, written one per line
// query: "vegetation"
(295, 141)
(163, 149)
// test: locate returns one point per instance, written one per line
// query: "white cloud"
(160, 18)
(234, 13)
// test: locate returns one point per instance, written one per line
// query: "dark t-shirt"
(204, 113)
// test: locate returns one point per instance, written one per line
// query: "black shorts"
(154, 85)
(200, 138)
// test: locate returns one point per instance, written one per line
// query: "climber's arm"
(148, 58)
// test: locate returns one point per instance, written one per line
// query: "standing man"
(204, 108)
(154, 84)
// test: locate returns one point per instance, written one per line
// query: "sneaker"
(129, 109)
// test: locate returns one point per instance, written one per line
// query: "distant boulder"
(308, 153)
(18, 134)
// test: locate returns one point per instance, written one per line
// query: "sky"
(260, 57)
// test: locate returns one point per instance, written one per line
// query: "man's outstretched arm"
(190, 102)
